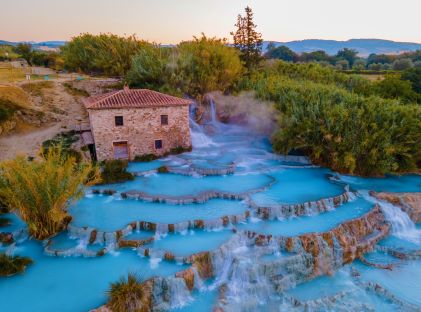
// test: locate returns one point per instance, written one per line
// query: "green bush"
(7, 109)
(64, 140)
(343, 130)
(145, 157)
(104, 54)
(115, 171)
(11, 265)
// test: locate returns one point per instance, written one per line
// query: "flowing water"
(230, 189)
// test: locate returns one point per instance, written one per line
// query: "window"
(118, 120)
(158, 144)
(164, 119)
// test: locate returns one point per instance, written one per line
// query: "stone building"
(136, 122)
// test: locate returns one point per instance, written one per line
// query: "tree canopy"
(105, 54)
(247, 39)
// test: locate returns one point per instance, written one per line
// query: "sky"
(171, 21)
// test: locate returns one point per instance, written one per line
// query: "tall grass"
(41, 190)
(129, 295)
(346, 131)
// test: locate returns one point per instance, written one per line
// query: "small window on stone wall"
(118, 120)
(164, 119)
(158, 144)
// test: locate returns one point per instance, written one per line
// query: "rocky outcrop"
(408, 202)
(341, 245)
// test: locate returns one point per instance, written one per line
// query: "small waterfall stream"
(402, 226)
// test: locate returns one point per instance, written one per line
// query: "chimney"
(126, 87)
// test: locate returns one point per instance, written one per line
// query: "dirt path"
(66, 111)
(27, 143)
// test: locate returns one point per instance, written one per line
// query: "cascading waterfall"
(199, 138)
(402, 226)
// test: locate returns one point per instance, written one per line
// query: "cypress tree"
(247, 39)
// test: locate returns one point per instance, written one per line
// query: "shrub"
(129, 295)
(7, 109)
(145, 157)
(42, 189)
(101, 54)
(162, 169)
(115, 171)
(64, 141)
(345, 131)
(11, 265)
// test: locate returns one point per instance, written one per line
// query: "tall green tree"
(25, 51)
(247, 39)
(347, 54)
(207, 64)
(282, 52)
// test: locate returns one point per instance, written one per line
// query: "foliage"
(7, 53)
(282, 53)
(11, 265)
(349, 55)
(317, 73)
(106, 54)
(152, 68)
(247, 39)
(342, 64)
(75, 91)
(194, 67)
(145, 157)
(413, 75)
(25, 51)
(402, 64)
(128, 295)
(40, 190)
(115, 171)
(346, 131)
(47, 59)
(316, 56)
(64, 141)
(359, 64)
(207, 64)
(7, 109)
(393, 87)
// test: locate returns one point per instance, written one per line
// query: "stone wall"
(142, 126)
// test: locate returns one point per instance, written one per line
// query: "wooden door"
(121, 150)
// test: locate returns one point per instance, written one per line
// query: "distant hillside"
(38, 45)
(363, 46)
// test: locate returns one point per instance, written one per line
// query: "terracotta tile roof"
(133, 98)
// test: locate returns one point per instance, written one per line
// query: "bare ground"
(66, 112)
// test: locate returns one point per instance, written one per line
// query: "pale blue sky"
(170, 21)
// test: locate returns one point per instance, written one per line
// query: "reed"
(41, 190)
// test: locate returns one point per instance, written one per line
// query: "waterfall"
(402, 226)
(199, 138)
